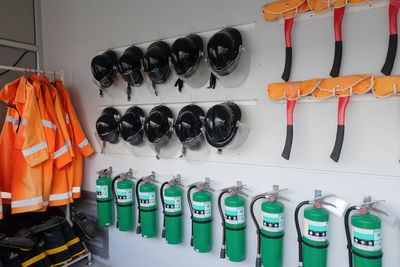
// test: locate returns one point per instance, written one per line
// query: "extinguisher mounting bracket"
(206, 185)
(105, 172)
(276, 193)
(237, 189)
(177, 181)
(128, 175)
(151, 178)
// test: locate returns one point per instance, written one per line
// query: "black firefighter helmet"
(107, 125)
(222, 124)
(189, 126)
(156, 62)
(131, 124)
(104, 68)
(158, 126)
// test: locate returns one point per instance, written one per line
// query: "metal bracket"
(237, 189)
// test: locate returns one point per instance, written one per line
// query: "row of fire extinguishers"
(363, 229)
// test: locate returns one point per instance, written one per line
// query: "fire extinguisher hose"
(163, 207)
(299, 237)
(258, 259)
(348, 236)
(138, 228)
(189, 198)
(222, 253)
(113, 187)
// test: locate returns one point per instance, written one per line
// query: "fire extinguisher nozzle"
(191, 241)
(222, 253)
(163, 233)
(138, 230)
(258, 262)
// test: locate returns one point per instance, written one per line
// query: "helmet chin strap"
(213, 81)
(179, 84)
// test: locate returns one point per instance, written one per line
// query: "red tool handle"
(393, 39)
(288, 42)
(337, 149)
(289, 130)
(337, 61)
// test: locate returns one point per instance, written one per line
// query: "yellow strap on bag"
(292, 90)
(344, 86)
(284, 8)
(386, 86)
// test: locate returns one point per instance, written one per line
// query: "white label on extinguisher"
(234, 215)
(102, 191)
(173, 204)
(147, 199)
(315, 231)
(124, 195)
(367, 239)
(273, 222)
(202, 210)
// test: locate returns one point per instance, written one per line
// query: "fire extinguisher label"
(315, 231)
(102, 191)
(273, 222)
(367, 239)
(147, 199)
(234, 215)
(173, 204)
(202, 210)
(124, 195)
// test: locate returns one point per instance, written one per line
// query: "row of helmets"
(227, 59)
(221, 126)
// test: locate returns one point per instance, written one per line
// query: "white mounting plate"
(241, 27)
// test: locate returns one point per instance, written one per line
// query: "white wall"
(74, 30)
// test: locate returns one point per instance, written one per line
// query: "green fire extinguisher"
(124, 199)
(233, 223)
(313, 243)
(270, 235)
(171, 200)
(200, 204)
(364, 239)
(105, 206)
(146, 196)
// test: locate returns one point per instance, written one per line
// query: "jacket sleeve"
(34, 148)
(80, 138)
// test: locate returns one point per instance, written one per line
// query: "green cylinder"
(148, 209)
(202, 218)
(235, 225)
(125, 202)
(315, 236)
(105, 205)
(173, 214)
(272, 231)
(367, 240)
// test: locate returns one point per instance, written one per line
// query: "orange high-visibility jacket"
(28, 151)
(59, 193)
(59, 155)
(80, 143)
